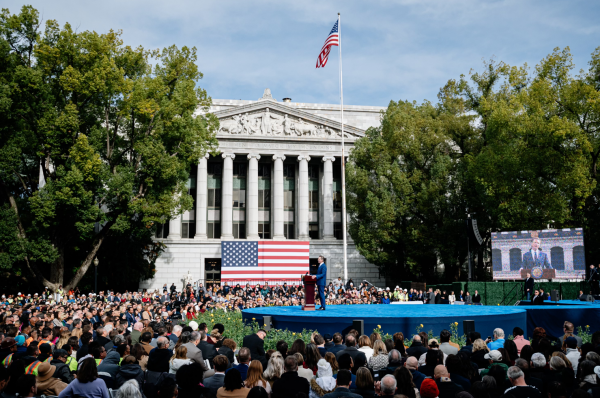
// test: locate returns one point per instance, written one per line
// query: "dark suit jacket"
(477, 298)
(416, 350)
(257, 348)
(528, 285)
(214, 382)
(342, 392)
(431, 298)
(228, 352)
(336, 348)
(542, 261)
(358, 357)
(208, 351)
(289, 385)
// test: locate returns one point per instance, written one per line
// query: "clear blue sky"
(400, 50)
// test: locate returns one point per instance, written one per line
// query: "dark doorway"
(212, 271)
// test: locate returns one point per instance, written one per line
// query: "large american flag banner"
(264, 260)
(332, 40)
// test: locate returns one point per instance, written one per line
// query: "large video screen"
(545, 254)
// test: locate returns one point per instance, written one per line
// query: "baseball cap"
(494, 355)
(571, 342)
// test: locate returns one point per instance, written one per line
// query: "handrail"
(509, 294)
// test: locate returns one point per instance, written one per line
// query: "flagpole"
(343, 155)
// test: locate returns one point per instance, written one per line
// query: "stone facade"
(277, 177)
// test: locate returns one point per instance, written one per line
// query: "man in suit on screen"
(535, 257)
(321, 281)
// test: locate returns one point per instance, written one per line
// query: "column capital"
(279, 157)
(253, 155)
(328, 159)
(303, 157)
(228, 155)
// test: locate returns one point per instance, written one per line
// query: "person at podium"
(535, 257)
(321, 281)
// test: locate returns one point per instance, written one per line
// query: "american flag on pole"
(332, 40)
(264, 260)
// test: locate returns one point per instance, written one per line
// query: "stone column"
(252, 203)
(328, 197)
(227, 201)
(303, 197)
(278, 197)
(175, 228)
(201, 197)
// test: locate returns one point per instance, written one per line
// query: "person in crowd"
(573, 353)
(337, 344)
(178, 359)
(445, 345)
(433, 358)
(129, 370)
(365, 386)
(519, 339)
(216, 381)
(358, 358)
(233, 386)
(412, 364)
(429, 389)
(497, 341)
(365, 346)
(46, 383)
(87, 384)
(416, 348)
(303, 371)
(379, 360)
(519, 388)
(159, 358)
(324, 382)
(191, 341)
(446, 387)
(255, 377)
(189, 382)
(290, 383)
(342, 390)
(255, 343)
(275, 369)
(495, 359)
(569, 329)
(244, 359)
(476, 298)
(130, 389)
(405, 383)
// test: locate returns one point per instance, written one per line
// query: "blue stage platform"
(406, 318)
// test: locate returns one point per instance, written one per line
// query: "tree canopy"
(516, 148)
(96, 143)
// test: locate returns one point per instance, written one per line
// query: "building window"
(264, 231)
(162, 230)
(264, 170)
(188, 229)
(337, 230)
(188, 225)
(313, 231)
(264, 198)
(288, 199)
(313, 171)
(213, 230)
(288, 231)
(289, 170)
(239, 230)
(239, 198)
(213, 225)
(337, 195)
(239, 169)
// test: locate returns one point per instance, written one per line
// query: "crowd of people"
(137, 345)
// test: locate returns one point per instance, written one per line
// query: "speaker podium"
(310, 281)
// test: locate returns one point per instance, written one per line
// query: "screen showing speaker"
(543, 254)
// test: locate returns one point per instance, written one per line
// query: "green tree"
(97, 140)
(497, 143)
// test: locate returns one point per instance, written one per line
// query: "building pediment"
(272, 120)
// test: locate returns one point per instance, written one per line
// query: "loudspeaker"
(359, 326)
(468, 327)
(554, 296)
(267, 319)
(586, 297)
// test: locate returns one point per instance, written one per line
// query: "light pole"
(96, 262)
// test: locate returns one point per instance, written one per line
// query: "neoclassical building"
(278, 177)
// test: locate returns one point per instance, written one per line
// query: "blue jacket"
(494, 345)
(322, 275)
